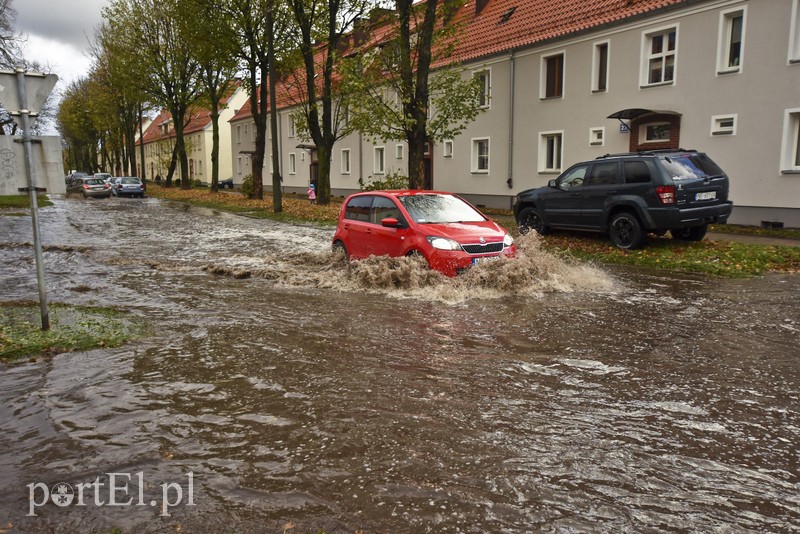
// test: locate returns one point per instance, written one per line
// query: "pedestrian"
(312, 194)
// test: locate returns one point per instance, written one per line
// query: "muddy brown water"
(304, 394)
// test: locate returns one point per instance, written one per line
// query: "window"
(790, 148)
(291, 127)
(604, 173)
(723, 125)
(484, 78)
(550, 151)
(636, 172)
(660, 50)
(358, 208)
(239, 165)
(448, 148)
(480, 156)
(794, 33)
(399, 151)
(345, 161)
(382, 208)
(731, 40)
(574, 177)
(600, 69)
(292, 163)
(238, 134)
(655, 132)
(597, 136)
(553, 76)
(379, 160)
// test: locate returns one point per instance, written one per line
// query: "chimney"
(479, 5)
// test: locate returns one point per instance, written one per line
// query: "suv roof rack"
(646, 153)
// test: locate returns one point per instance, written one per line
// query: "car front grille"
(486, 248)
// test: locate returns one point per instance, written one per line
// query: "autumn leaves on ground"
(710, 257)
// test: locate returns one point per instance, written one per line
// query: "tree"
(76, 127)
(396, 95)
(149, 32)
(327, 21)
(213, 42)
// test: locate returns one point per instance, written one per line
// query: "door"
(602, 183)
(386, 241)
(427, 166)
(357, 225)
(562, 204)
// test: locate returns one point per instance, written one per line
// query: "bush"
(247, 186)
(199, 183)
(394, 180)
(178, 182)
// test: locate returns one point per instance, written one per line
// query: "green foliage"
(395, 180)
(199, 183)
(247, 186)
(71, 328)
(22, 201)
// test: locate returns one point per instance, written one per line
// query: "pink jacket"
(312, 194)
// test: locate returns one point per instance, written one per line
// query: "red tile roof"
(502, 25)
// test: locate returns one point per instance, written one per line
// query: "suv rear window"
(690, 166)
(636, 172)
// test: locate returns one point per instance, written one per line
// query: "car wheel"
(626, 231)
(339, 248)
(531, 219)
(693, 233)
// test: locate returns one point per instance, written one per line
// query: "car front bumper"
(454, 262)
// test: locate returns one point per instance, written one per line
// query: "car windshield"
(93, 181)
(439, 209)
(130, 180)
(690, 166)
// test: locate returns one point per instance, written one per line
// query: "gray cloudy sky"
(57, 33)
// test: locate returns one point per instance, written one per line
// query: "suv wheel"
(626, 231)
(531, 219)
(693, 233)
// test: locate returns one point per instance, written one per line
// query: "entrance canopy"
(635, 113)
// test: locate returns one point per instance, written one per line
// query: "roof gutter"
(511, 75)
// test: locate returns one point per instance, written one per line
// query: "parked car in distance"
(89, 187)
(450, 233)
(128, 186)
(629, 195)
(226, 184)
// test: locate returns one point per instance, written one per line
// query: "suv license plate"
(484, 259)
(708, 195)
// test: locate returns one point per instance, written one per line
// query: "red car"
(450, 233)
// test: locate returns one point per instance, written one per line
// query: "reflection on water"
(537, 396)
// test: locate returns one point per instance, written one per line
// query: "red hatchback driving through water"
(450, 233)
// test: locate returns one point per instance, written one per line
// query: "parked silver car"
(128, 186)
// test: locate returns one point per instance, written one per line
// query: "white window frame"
(597, 136)
(790, 145)
(717, 127)
(544, 154)
(238, 134)
(596, 65)
(345, 164)
(292, 163)
(239, 165)
(399, 152)
(486, 90)
(379, 160)
(291, 131)
(724, 43)
(643, 133)
(646, 56)
(543, 75)
(476, 155)
(447, 148)
(794, 33)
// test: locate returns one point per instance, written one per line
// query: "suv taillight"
(666, 194)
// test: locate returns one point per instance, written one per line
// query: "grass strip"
(22, 201)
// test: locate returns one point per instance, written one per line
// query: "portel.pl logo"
(111, 490)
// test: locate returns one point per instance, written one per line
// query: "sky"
(57, 34)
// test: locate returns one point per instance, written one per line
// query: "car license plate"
(708, 195)
(484, 259)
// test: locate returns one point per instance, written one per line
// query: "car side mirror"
(551, 183)
(391, 222)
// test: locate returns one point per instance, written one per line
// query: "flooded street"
(291, 390)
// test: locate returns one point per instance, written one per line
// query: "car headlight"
(508, 241)
(442, 243)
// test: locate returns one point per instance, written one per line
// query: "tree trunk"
(323, 175)
(214, 144)
(277, 192)
(173, 163)
(141, 141)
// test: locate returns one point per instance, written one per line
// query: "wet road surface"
(295, 391)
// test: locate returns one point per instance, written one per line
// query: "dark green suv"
(629, 195)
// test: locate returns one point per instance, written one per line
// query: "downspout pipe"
(511, 75)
